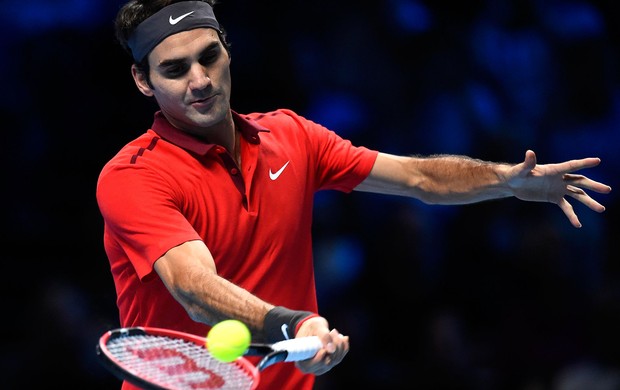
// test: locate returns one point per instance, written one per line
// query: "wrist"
(282, 324)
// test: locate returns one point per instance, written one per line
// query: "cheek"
(169, 91)
(225, 79)
(223, 71)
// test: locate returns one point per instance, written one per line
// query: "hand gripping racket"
(155, 358)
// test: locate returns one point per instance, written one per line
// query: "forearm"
(211, 299)
(218, 299)
(439, 179)
(189, 273)
(456, 179)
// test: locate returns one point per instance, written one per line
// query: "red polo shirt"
(166, 187)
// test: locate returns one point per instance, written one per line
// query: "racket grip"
(301, 348)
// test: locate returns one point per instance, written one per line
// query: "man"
(208, 213)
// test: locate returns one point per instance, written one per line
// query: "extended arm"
(461, 180)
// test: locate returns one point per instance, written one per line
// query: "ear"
(140, 79)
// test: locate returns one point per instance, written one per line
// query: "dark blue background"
(502, 294)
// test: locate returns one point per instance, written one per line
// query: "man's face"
(190, 79)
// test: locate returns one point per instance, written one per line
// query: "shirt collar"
(248, 128)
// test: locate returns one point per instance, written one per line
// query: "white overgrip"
(301, 348)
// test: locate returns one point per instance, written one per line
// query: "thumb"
(530, 160)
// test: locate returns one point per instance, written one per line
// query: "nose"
(199, 78)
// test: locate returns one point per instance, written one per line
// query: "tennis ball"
(227, 340)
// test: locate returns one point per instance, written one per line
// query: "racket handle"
(301, 348)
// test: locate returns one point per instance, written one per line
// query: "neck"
(225, 134)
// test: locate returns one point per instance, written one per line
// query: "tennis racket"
(156, 358)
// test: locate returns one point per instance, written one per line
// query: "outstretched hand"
(553, 182)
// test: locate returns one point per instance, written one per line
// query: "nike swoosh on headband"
(275, 175)
(174, 21)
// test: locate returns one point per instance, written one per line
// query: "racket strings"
(176, 364)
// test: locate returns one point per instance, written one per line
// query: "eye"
(175, 70)
(210, 56)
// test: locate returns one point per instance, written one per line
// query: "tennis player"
(208, 213)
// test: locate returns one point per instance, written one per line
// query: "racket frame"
(112, 364)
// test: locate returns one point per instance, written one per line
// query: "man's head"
(180, 58)
(141, 24)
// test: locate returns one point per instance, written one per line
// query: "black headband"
(177, 17)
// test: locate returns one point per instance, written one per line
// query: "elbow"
(194, 312)
(190, 303)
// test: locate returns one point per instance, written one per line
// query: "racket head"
(156, 358)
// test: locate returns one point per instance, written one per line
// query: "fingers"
(567, 208)
(575, 189)
(580, 195)
(334, 351)
(336, 346)
(587, 183)
(575, 165)
(583, 197)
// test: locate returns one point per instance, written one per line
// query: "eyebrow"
(176, 61)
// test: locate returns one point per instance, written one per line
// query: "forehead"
(185, 43)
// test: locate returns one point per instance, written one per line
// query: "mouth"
(203, 102)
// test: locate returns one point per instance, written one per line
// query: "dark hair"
(134, 12)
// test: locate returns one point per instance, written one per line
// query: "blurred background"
(497, 295)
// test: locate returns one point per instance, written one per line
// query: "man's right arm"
(189, 273)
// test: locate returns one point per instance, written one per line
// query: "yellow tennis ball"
(227, 340)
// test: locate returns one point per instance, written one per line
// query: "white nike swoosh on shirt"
(174, 21)
(275, 175)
